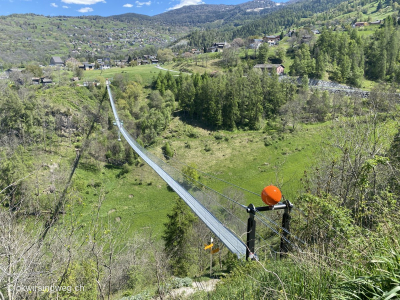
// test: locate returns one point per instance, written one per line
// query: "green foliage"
(191, 173)
(177, 282)
(263, 53)
(176, 235)
(382, 281)
(142, 296)
(167, 150)
(231, 100)
(81, 276)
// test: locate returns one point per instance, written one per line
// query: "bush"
(207, 148)
(142, 296)
(190, 132)
(177, 282)
(218, 136)
(167, 150)
(267, 141)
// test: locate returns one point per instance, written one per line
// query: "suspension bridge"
(227, 220)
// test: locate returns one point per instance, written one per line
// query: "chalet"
(87, 66)
(56, 61)
(280, 69)
(197, 52)
(360, 24)
(220, 46)
(154, 61)
(46, 81)
(212, 49)
(272, 39)
(35, 80)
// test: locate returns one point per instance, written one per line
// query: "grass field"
(140, 199)
(146, 73)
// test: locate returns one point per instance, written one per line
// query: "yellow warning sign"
(208, 246)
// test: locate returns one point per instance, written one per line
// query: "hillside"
(28, 38)
(83, 217)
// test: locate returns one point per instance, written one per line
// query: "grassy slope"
(146, 72)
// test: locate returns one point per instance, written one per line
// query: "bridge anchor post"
(251, 227)
(251, 232)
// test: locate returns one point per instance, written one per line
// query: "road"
(230, 240)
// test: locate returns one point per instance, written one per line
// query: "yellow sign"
(215, 251)
(208, 246)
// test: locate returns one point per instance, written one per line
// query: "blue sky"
(99, 7)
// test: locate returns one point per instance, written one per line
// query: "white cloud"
(140, 4)
(185, 3)
(53, 4)
(64, 6)
(127, 5)
(83, 2)
(85, 9)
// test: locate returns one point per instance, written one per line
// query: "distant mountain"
(130, 17)
(199, 15)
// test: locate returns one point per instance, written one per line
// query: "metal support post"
(251, 232)
(285, 225)
(251, 227)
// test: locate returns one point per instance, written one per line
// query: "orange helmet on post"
(271, 195)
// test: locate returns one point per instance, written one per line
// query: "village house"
(46, 81)
(87, 66)
(278, 68)
(56, 61)
(360, 24)
(221, 46)
(272, 39)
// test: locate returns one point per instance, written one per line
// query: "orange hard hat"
(271, 195)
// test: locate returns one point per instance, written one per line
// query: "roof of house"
(57, 60)
(268, 66)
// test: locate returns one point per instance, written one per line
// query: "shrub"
(177, 282)
(142, 296)
(167, 150)
(218, 136)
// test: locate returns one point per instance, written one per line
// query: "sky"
(99, 7)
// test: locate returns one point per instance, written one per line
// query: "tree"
(177, 232)
(78, 72)
(263, 53)
(35, 70)
(165, 55)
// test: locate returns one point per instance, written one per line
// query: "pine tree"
(263, 53)
(176, 235)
